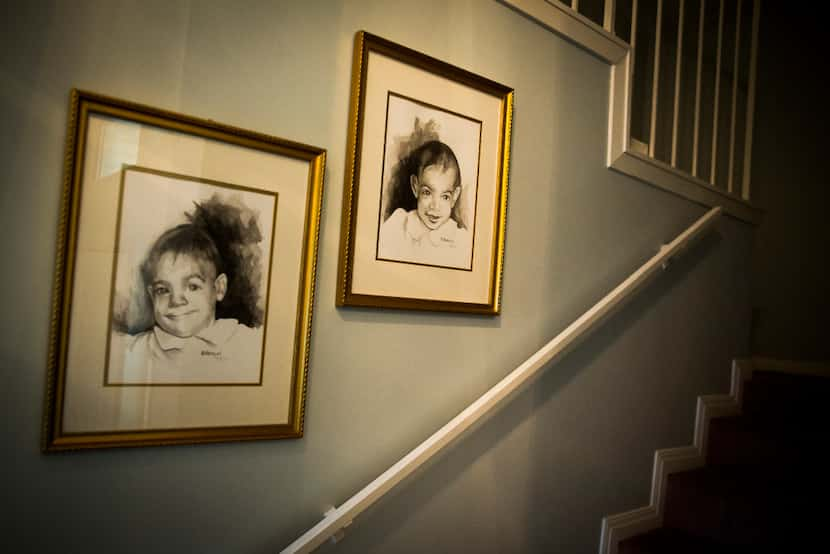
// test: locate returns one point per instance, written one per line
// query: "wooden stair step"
(765, 486)
(730, 504)
(671, 541)
(744, 440)
(783, 400)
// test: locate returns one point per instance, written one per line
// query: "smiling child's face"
(436, 193)
(184, 293)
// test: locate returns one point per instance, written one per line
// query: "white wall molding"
(572, 25)
(621, 526)
(621, 156)
(624, 158)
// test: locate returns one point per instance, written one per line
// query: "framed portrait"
(425, 190)
(184, 281)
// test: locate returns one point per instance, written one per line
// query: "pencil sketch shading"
(429, 185)
(188, 304)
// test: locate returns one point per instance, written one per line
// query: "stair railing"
(336, 519)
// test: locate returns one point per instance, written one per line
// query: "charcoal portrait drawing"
(190, 281)
(429, 185)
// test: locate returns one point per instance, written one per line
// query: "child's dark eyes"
(425, 192)
(162, 290)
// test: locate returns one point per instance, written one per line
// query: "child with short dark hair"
(184, 279)
(429, 234)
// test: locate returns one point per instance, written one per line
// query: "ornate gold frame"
(82, 105)
(364, 44)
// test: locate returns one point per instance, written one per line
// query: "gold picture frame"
(425, 192)
(184, 281)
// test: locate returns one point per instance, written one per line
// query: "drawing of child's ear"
(221, 286)
(456, 192)
(413, 183)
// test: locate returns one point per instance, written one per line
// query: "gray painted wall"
(790, 287)
(539, 474)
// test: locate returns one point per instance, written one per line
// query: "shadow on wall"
(789, 181)
(463, 481)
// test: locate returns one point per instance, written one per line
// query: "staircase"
(765, 486)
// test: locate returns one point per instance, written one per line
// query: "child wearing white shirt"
(429, 234)
(184, 280)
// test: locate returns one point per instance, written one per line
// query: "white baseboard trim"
(621, 526)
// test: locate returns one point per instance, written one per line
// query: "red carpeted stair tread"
(671, 541)
(765, 486)
(744, 440)
(733, 505)
(781, 400)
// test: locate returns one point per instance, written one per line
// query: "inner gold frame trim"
(364, 44)
(81, 105)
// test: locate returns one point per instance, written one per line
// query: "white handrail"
(338, 518)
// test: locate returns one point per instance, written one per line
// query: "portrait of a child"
(185, 281)
(190, 308)
(429, 233)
